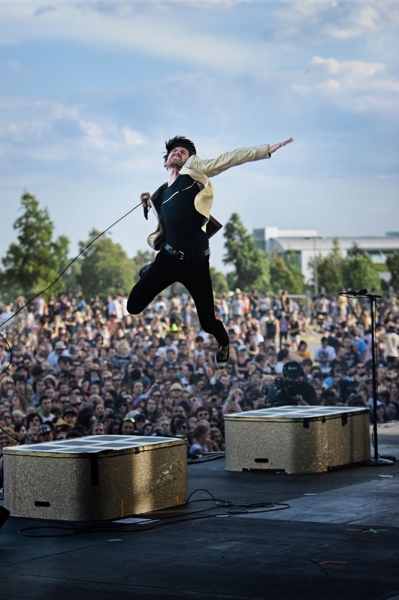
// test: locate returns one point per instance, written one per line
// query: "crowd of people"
(75, 367)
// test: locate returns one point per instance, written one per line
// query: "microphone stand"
(377, 460)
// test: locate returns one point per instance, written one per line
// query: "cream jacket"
(201, 171)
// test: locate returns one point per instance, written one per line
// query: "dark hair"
(177, 141)
(283, 354)
(259, 357)
(73, 433)
(85, 416)
(176, 422)
(200, 408)
(185, 405)
(43, 397)
(29, 418)
(19, 426)
(246, 402)
(120, 401)
(34, 384)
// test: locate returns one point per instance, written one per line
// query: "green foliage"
(285, 274)
(336, 273)
(330, 270)
(231, 279)
(359, 272)
(70, 278)
(356, 251)
(219, 282)
(105, 268)
(250, 263)
(36, 260)
(393, 267)
(140, 260)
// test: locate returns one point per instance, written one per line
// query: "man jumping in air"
(183, 208)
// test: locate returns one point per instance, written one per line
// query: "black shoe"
(222, 356)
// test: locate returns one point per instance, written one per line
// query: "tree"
(219, 282)
(105, 268)
(250, 263)
(70, 278)
(285, 274)
(141, 259)
(330, 269)
(393, 266)
(37, 259)
(359, 272)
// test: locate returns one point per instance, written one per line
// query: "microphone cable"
(55, 281)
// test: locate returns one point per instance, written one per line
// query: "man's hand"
(280, 145)
(299, 400)
(145, 199)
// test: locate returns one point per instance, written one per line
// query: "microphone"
(145, 198)
(361, 292)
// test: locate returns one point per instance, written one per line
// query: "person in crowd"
(202, 441)
(45, 433)
(324, 355)
(46, 406)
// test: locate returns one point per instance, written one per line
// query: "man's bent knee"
(134, 307)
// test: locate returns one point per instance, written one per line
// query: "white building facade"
(307, 244)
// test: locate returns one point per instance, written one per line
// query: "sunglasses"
(76, 404)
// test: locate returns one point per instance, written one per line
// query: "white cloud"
(157, 34)
(17, 67)
(353, 85)
(320, 20)
(95, 136)
(132, 138)
(330, 86)
(42, 10)
(350, 68)
(30, 130)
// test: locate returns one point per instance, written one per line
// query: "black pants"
(194, 275)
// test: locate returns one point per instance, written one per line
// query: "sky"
(91, 90)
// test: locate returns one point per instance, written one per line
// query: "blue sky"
(91, 90)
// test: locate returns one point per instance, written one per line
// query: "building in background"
(306, 244)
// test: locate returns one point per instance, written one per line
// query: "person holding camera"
(298, 390)
(291, 389)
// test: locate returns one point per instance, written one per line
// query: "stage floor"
(338, 539)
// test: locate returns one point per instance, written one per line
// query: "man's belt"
(187, 255)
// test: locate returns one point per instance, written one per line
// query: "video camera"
(283, 390)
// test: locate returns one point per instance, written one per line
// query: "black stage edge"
(338, 540)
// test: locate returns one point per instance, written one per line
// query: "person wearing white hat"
(60, 349)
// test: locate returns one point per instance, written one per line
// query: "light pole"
(316, 275)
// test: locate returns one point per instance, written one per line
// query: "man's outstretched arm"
(280, 145)
(234, 158)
